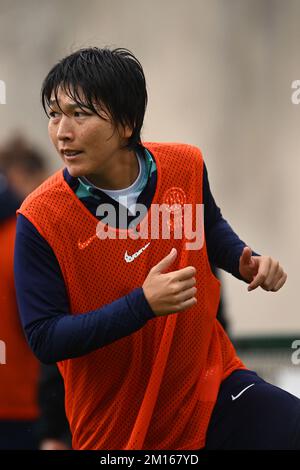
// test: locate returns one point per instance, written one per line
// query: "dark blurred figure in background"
(22, 400)
(22, 169)
(52, 428)
(221, 313)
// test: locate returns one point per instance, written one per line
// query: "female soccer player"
(123, 300)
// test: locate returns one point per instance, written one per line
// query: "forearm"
(53, 332)
(67, 336)
(225, 248)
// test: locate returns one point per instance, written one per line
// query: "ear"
(127, 132)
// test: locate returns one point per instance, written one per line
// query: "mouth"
(71, 154)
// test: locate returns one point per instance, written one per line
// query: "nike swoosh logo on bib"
(129, 258)
(85, 244)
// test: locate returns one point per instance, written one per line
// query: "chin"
(76, 171)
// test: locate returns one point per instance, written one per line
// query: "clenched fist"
(262, 271)
(170, 292)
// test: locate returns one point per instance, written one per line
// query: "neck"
(119, 173)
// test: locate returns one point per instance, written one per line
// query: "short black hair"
(112, 78)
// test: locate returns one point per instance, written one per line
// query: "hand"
(261, 271)
(170, 292)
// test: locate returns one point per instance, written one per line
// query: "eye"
(53, 114)
(81, 113)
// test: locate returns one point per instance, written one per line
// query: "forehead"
(64, 99)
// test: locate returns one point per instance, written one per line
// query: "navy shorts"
(253, 414)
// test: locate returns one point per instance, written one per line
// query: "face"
(88, 144)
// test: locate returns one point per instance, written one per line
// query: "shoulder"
(47, 205)
(178, 148)
(48, 200)
(53, 184)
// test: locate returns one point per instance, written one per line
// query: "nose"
(65, 129)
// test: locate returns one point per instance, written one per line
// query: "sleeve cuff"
(236, 272)
(139, 304)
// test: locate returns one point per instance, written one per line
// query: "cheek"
(52, 133)
(92, 139)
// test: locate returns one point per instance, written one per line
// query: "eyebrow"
(68, 106)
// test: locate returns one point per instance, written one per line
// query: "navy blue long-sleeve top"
(53, 333)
